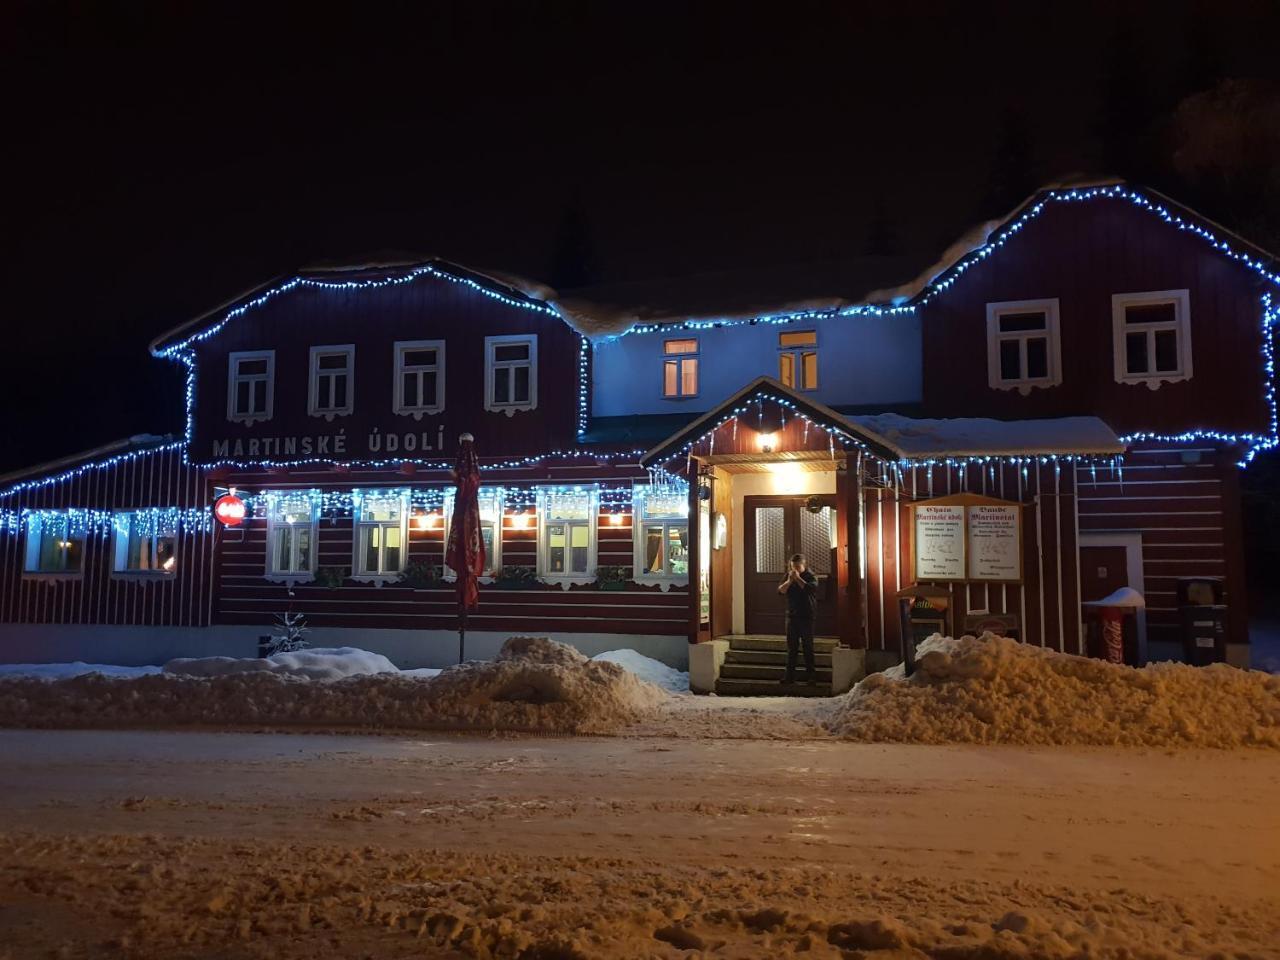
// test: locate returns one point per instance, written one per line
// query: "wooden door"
(1103, 571)
(776, 527)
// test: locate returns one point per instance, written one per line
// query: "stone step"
(726, 687)
(773, 657)
(756, 671)
(820, 644)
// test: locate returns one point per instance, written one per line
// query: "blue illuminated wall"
(861, 360)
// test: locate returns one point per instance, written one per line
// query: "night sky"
(161, 160)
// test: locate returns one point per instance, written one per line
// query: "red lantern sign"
(230, 510)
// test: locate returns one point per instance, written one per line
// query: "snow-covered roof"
(923, 439)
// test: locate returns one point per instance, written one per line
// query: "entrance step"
(770, 642)
(774, 657)
(728, 687)
(772, 672)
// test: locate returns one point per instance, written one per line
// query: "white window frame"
(1052, 332)
(797, 353)
(641, 519)
(122, 530)
(359, 524)
(399, 406)
(313, 397)
(274, 573)
(234, 378)
(494, 499)
(1181, 300)
(491, 365)
(35, 531)
(545, 518)
(678, 359)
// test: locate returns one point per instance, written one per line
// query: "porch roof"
(892, 436)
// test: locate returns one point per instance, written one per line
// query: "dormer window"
(250, 385)
(1023, 347)
(1151, 337)
(511, 374)
(332, 376)
(419, 377)
(798, 359)
(680, 367)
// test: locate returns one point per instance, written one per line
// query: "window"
(680, 368)
(146, 544)
(491, 507)
(291, 536)
(332, 381)
(662, 543)
(567, 534)
(250, 385)
(798, 359)
(1023, 350)
(1152, 337)
(511, 374)
(419, 377)
(53, 544)
(381, 534)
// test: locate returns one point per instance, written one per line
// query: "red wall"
(1082, 253)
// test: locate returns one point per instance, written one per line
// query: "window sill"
(248, 421)
(375, 579)
(1152, 381)
(666, 583)
(565, 582)
(329, 415)
(687, 396)
(512, 410)
(143, 575)
(419, 414)
(50, 575)
(1024, 387)
(290, 578)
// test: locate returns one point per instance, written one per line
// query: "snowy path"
(310, 845)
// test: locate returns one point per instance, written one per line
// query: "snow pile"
(981, 436)
(319, 663)
(64, 671)
(535, 684)
(992, 689)
(647, 669)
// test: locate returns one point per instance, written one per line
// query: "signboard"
(939, 539)
(994, 541)
(967, 537)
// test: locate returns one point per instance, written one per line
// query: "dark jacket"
(802, 602)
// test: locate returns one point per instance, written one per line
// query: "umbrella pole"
(462, 628)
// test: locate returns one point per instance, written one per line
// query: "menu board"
(939, 542)
(994, 542)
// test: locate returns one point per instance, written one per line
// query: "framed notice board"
(967, 538)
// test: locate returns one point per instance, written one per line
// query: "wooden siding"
(98, 594)
(1082, 254)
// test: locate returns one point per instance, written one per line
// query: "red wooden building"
(1101, 359)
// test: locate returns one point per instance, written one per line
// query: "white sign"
(939, 542)
(995, 547)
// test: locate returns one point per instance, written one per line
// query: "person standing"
(801, 591)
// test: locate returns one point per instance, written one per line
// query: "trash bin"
(925, 611)
(1204, 621)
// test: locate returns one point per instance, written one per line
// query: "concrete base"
(705, 660)
(848, 666)
(139, 646)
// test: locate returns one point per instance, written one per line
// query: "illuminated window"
(491, 506)
(1151, 337)
(332, 381)
(511, 373)
(1023, 349)
(419, 387)
(680, 368)
(146, 543)
(798, 359)
(291, 536)
(53, 545)
(250, 385)
(567, 534)
(381, 534)
(662, 540)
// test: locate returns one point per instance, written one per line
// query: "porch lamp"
(768, 441)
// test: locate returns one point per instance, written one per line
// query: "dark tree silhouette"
(573, 258)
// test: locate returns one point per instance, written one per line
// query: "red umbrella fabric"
(464, 552)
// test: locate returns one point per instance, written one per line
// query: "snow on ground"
(64, 671)
(534, 685)
(153, 845)
(992, 689)
(648, 669)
